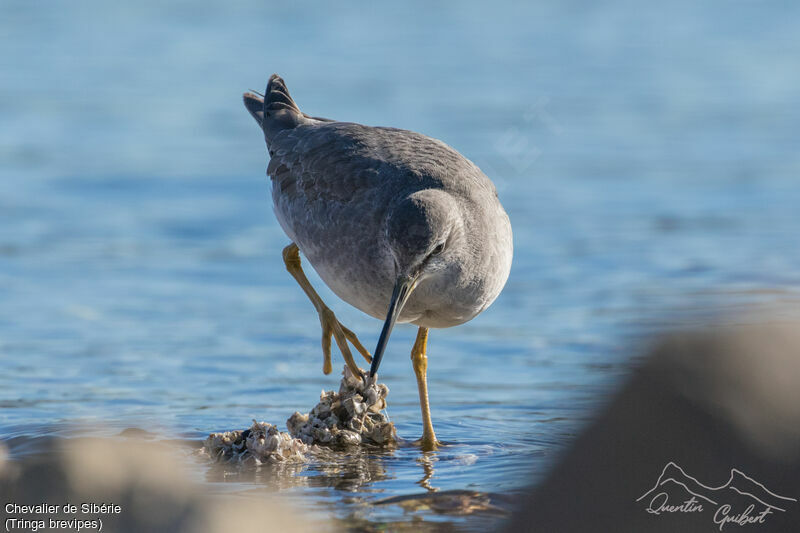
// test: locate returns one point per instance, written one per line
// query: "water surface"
(647, 160)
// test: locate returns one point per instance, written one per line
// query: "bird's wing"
(332, 162)
(324, 187)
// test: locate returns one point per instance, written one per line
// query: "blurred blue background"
(647, 157)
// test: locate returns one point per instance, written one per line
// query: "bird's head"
(423, 231)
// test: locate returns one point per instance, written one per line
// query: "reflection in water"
(351, 470)
(346, 471)
(278, 476)
(426, 460)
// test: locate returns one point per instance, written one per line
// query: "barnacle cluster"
(260, 443)
(350, 417)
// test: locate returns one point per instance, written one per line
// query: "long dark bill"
(402, 290)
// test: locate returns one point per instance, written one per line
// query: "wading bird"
(396, 223)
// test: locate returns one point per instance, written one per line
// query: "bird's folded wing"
(331, 162)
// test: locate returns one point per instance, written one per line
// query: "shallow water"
(647, 160)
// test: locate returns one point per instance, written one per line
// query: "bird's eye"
(438, 249)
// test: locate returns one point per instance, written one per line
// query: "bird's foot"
(331, 327)
(428, 444)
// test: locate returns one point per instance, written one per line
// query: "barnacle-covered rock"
(262, 443)
(354, 406)
(382, 434)
(350, 417)
(295, 422)
(346, 437)
(224, 446)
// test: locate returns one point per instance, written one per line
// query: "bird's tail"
(276, 111)
(277, 96)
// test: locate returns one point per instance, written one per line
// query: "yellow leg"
(420, 361)
(330, 325)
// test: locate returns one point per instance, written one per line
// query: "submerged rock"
(350, 417)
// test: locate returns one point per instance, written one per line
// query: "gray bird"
(396, 223)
